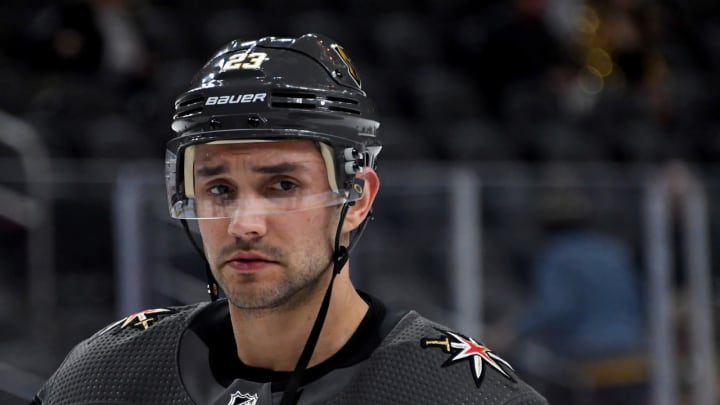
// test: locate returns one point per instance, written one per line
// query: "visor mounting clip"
(255, 121)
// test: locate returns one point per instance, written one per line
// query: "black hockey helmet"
(276, 89)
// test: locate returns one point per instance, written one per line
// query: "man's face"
(263, 258)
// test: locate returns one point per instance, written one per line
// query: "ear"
(361, 209)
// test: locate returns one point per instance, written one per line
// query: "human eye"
(284, 186)
(221, 191)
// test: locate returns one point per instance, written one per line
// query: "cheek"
(326, 225)
(314, 227)
(212, 230)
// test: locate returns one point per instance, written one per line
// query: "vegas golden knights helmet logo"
(348, 62)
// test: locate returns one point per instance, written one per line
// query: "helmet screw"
(337, 73)
(214, 123)
(256, 120)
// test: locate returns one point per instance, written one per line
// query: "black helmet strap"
(340, 256)
(213, 288)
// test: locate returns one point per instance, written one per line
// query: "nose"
(248, 226)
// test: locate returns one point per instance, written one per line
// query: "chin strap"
(339, 258)
(213, 288)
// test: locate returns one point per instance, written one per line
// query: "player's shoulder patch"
(140, 320)
(463, 349)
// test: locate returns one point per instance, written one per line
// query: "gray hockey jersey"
(154, 357)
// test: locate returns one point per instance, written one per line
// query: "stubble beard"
(298, 283)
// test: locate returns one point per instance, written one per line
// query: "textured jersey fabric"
(124, 365)
(402, 371)
(135, 361)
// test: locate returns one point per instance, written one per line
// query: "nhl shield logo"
(238, 398)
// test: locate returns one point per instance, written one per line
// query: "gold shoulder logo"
(140, 320)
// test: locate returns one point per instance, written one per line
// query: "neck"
(275, 339)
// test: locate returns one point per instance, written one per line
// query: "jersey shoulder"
(421, 361)
(123, 359)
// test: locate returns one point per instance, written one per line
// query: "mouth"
(249, 261)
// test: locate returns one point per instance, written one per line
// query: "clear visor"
(234, 178)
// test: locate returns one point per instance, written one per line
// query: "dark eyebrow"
(280, 168)
(285, 167)
(209, 171)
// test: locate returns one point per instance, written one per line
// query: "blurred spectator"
(90, 64)
(83, 36)
(123, 50)
(62, 36)
(617, 47)
(585, 309)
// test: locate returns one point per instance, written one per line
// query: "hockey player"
(274, 164)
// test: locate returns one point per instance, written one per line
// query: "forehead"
(268, 151)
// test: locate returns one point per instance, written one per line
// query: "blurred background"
(550, 183)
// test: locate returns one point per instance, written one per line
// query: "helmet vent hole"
(293, 99)
(341, 104)
(343, 109)
(194, 99)
(189, 113)
(189, 106)
(302, 106)
(343, 100)
(310, 101)
(293, 94)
